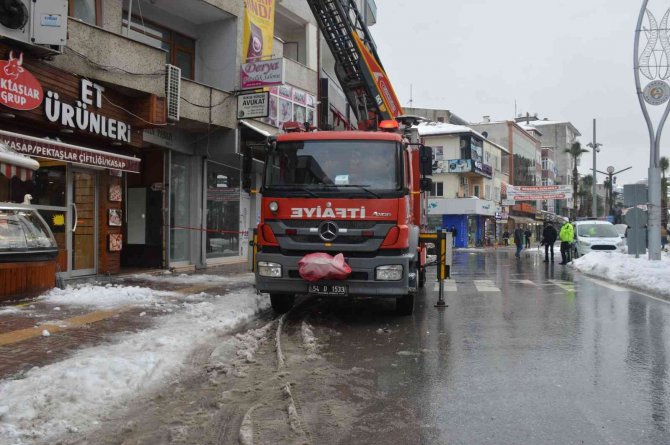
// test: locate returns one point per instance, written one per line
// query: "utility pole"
(595, 147)
(610, 174)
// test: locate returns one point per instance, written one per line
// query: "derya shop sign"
(85, 114)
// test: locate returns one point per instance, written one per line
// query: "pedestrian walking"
(549, 236)
(567, 236)
(505, 238)
(519, 241)
(453, 234)
(527, 234)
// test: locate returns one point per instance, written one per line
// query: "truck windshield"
(322, 165)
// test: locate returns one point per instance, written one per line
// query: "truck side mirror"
(426, 160)
(426, 185)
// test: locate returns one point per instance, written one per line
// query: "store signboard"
(19, 89)
(45, 148)
(264, 73)
(535, 193)
(253, 105)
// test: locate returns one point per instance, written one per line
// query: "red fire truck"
(356, 193)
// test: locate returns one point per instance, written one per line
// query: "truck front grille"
(359, 276)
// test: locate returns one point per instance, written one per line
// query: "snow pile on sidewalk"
(105, 297)
(194, 278)
(82, 391)
(621, 268)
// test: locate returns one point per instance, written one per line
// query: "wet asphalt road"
(526, 353)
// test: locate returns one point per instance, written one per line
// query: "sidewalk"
(50, 328)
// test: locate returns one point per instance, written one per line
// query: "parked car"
(595, 236)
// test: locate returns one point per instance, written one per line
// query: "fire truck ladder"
(338, 20)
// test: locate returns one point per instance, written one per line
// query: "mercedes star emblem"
(328, 231)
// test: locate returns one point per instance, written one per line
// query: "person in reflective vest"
(567, 236)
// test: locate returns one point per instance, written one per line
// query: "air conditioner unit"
(39, 24)
(172, 91)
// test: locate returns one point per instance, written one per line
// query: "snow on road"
(194, 278)
(621, 268)
(81, 391)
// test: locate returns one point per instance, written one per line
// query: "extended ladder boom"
(357, 64)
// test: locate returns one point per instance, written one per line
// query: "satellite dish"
(13, 14)
(485, 134)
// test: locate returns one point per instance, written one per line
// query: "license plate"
(328, 289)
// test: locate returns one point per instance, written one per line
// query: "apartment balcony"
(370, 12)
(195, 103)
(109, 57)
(298, 75)
(461, 206)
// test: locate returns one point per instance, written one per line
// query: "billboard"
(258, 33)
(541, 192)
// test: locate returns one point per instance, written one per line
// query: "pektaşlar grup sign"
(19, 89)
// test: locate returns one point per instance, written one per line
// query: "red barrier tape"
(198, 229)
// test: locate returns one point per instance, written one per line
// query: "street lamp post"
(610, 174)
(595, 147)
(655, 93)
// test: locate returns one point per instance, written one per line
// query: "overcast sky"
(563, 59)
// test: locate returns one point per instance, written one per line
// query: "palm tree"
(575, 151)
(664, 164)
(587, 196)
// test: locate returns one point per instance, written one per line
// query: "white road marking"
(528, 282)
(567, 285)
(485, 286)
(449, 286)
(611, 286)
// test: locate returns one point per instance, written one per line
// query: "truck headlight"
(584, 243)
(389, 273)
(274, 206)
(266, 269)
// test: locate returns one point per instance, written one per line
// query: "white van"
(596, 236)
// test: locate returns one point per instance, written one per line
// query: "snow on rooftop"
(439, 128)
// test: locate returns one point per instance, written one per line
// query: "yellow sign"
(58, 219)
(259, 23)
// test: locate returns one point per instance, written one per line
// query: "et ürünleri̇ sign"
(253, 105)
(541, 192)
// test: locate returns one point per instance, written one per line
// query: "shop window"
(438, 189)
(47, 188)
(223, 211)
(180, 49)
(88, 11)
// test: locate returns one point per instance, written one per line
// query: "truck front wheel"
(405, 305)
(282, 303)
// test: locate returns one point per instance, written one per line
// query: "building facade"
(557, 136)
(467, 183)
(141, 152)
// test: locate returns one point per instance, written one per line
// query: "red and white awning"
(15, 164)
(10, 171)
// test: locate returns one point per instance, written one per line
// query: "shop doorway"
(83, 222)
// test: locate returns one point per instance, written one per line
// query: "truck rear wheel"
(405, 305)
(282, 303)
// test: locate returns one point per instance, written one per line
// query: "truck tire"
(405, 305)
(282, 303)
